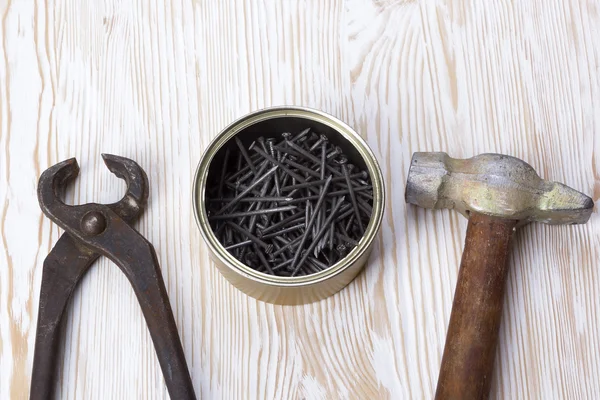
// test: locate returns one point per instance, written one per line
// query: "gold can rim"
(201, 175)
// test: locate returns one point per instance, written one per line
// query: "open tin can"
(281, 289)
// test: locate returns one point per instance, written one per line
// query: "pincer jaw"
(136, 197)
(52, 183)
(55, 179)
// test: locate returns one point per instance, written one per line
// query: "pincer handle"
(63, 268)
(135, 256)
(470, 349)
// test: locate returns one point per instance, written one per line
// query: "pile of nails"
(288, 206)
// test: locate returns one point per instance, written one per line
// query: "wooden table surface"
(157, 81)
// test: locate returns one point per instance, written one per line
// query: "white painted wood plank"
(155, 81)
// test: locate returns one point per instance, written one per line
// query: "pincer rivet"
(93, 223)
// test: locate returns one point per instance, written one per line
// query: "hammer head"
(495, 185)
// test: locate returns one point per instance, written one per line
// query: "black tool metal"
(92, 230)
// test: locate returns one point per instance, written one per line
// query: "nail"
(367, 194)
(322, 139)
(253, 199)
(339, 179)
(245, 155)
(307, 213)
(342, 161)
(285, 179)
(240, 244)
(349, 223)
(318, 263)
(319, 234)
(259, 206)
(337, 150)
(242, 252)
(311, 267)
(228, 235)
(323, 160)
(287, 220)
(245, 172)
(313, 229)
(261, 170)
(330, 258)
(281, 232)
(301, 135)
(264, 261)
(238, 187)
(270, 143)
(323, 242)
(341, 249)
(329, 195)
(242, 219)
(302, 168)
(360, 180)
(346, 239)
(250, 236)
(365, 207)
(289, 245)
(270, 146)
(282, 265)
(261, 141)
(301, 151)
(250, 213)
(331, 232)
(240, 183)
(312, 220)
(250, 259)
(308, 155)
(223, 171)
(239, 162)
(247, 190)
(277, 163)
(310, 140)
(219, 230)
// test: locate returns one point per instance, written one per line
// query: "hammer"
(497, 193)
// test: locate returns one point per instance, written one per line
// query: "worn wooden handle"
(470, 348)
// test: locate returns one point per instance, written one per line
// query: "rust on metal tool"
(92, 230)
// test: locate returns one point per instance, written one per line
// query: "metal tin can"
(300, 289)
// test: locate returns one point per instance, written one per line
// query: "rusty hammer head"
(494, 185)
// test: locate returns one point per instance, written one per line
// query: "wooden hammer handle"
(468, 359)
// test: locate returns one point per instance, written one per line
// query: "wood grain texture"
(155, 81)
(472, 336)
